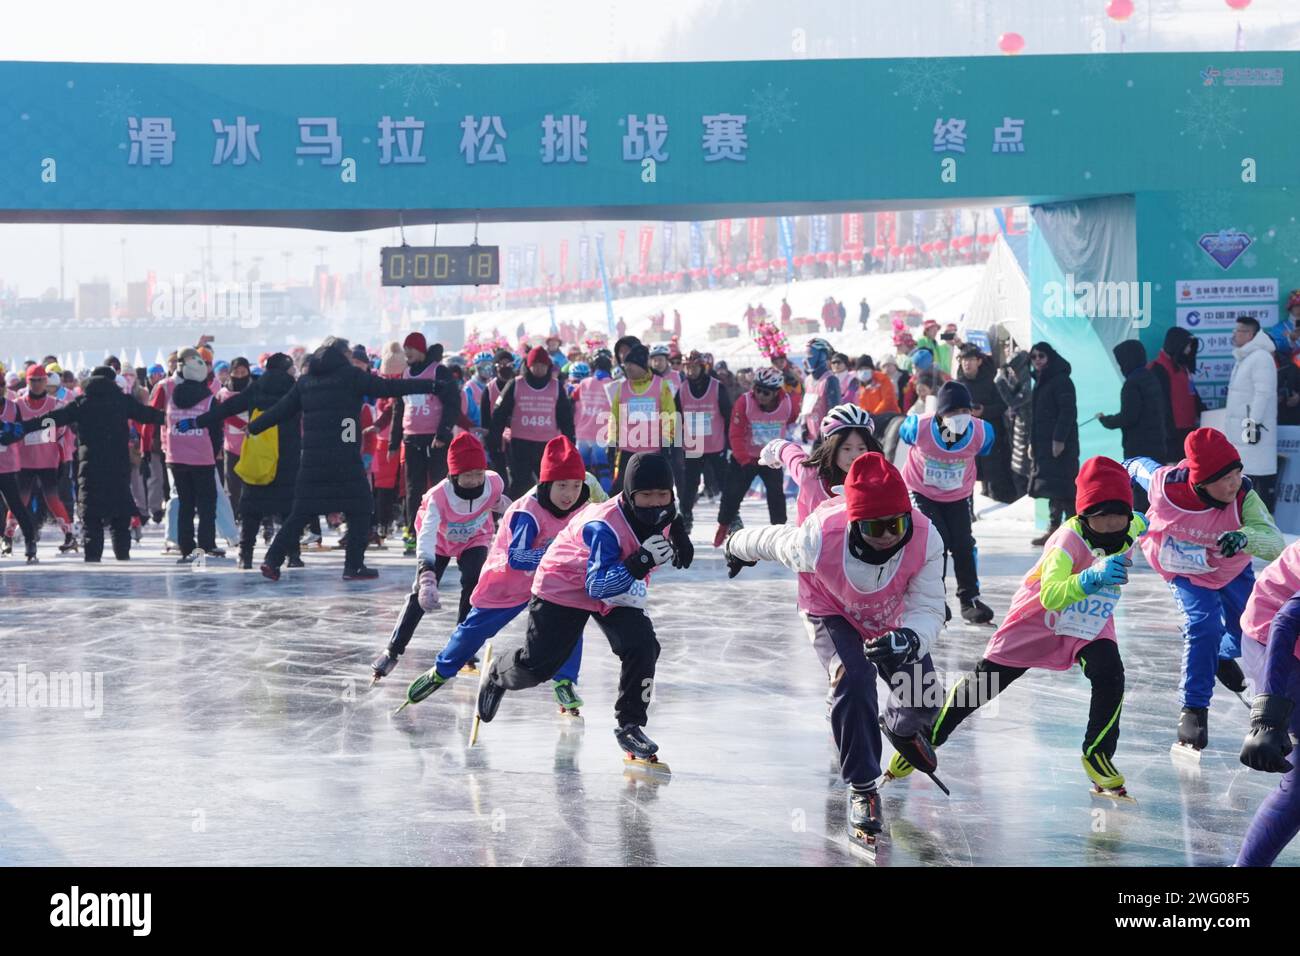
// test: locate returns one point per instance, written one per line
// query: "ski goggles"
(880, 527)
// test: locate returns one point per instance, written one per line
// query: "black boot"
(635, 743)
(1230, 675)
(1042, 538)
(1193, 727)
(976, 611)
(864, 811)
(489, 699)
(383, 665)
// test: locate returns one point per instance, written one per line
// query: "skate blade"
(572, 713)
(650, 768)
(469, 670)
(1119, 794)
(401, 707)
(864, 845)
(1185, 754)
(482, 676)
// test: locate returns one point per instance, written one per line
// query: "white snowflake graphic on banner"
(770, 108)
(418, 84)
(928, 82)
(584, 100)
(1288, 241)
(1211, 117)
(117, 104)
(1206, 210)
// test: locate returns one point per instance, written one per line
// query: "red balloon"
(1121, 10)
(1011, 43)
(1238, 4)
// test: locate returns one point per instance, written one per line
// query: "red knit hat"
(538, 354)
(1210, 455)
(875, 489)
(465, 454)
(1101, 479)
(416, 341)
(36, 372)
(561, 461)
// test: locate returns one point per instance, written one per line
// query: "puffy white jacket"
(797, 547)
(1252, 392)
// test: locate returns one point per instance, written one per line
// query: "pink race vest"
(828, 591)
(765, 426)
(1183, 543)
(41, 449)
(638, 417)
(703, 425)
(591, 411)
(533, 418)
(939, 473)
(815, 404)
(459, 530)
(500, 585)
(10, 455)
(193, 447)
(1275, 585)
(421, 414)
(1032, 636)
(812, 489)
(474, 389)
(562, 576)
(232, 429)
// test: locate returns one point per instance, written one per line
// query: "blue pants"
(596, 458)
(483, 623)
(1211, 630)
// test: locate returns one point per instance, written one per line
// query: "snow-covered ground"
(235, 726)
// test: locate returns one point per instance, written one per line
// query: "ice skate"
(567, 697)
(865, 823)
(720, 535)
(312, 542)
(976, 611)
(270, 572)
(408, 545)
(1230, 676)
(489, 696)
(295, 561)
(69, 543)
(376, 543)
(1106, 780)
(470, 667)
(8, 546)
(1193, 735)
(914, 752)
(641, 753)
(362, 573)
(420, 688)
(382, 666)
(31, 557)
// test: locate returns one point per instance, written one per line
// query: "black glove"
(734, 564)
(1266, 746)
(655, 550)
(893, 648)
(683, 550)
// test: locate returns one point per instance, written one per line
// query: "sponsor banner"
(1198, 291)
(1197, 319)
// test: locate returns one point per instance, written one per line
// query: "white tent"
(1001, 297)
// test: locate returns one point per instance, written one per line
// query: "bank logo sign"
(1225, 246)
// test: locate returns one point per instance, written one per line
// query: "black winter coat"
(103, 446)
(261, 395)
(1055, 418)
(1141, 405)
(331, 475)
(993, 469)
(1015, 387)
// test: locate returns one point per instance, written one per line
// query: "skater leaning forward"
(599, 566)
(1271, 658)
(505, 583)
(454, 521)
(871, 595)
(1206, 524)
(1063, 614)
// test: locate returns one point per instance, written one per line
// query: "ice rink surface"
(236, 726)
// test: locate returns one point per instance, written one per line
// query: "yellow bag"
(260, 456)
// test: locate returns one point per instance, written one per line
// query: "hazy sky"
(504, 31)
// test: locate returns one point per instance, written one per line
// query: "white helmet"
(847, 415)
(769, 378)
(660, 349)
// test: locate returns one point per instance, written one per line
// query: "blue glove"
(366, 460)
(12, 429)
(1114, 571)
(185, 425)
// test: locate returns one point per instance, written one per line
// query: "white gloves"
(770, 456)
(428, 595)
(659, 548)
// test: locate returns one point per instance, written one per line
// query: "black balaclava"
(647, 471)
(544, 499)
(1115, 541)
(859, 548)
(467, 494)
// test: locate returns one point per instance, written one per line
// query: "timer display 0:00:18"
(440, 265)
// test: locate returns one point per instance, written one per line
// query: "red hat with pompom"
(465, 454)
(561, 461)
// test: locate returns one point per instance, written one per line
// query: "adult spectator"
(975, 371)
(1015, 382)
(1252, 406)
(1173, 369)
(1141, 416)
(1053, 437)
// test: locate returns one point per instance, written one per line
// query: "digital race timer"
(440, 265)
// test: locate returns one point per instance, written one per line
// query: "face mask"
(817, 362)
(1110, 543)
(656, 517)
(194, 370)
(864, 375)
(467, 494)
(956, 424)
(239, 383)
